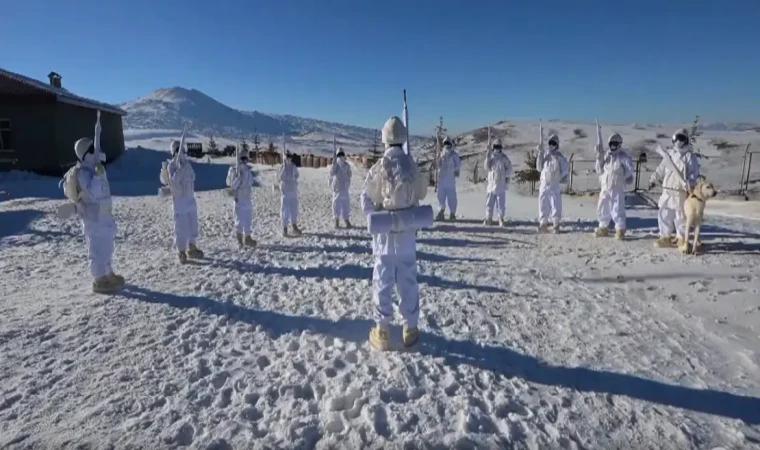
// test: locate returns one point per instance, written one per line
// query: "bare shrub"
(579, 133)
(722, 144)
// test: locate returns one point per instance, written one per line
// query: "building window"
(5, 136)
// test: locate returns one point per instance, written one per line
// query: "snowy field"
(723, 151)
(552, 341)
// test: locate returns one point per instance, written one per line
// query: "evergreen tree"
(212, 147)
(530, 174)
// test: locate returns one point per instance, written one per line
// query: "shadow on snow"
(346, 271)
(135, 173)
(496, 359)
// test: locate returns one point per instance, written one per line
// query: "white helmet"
(394, 132)
(82, 146)
(496, 144)
(554, 138)
(615, 138)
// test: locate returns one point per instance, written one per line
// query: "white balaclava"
(175, 148)
(497, 146)
(554, 139)
(447, 145)
(341, 155)
(681, 140)
(85, 151)
(241, 157)
(615, 142)
(394, 132)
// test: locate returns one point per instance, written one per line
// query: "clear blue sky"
(348, 60)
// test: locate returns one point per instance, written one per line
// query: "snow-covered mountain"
(172, 108)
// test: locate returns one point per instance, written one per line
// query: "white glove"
(66, 211)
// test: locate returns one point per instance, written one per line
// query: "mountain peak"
(173, 107)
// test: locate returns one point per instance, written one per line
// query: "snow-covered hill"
(723, 151)
(153, 121)
(171, 109)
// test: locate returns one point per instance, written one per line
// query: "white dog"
(694, 210)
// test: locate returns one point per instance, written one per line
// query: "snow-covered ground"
(553, 341)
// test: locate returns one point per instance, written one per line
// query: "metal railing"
(583, 177)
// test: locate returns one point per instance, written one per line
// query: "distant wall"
(32, 121)
(75, 122)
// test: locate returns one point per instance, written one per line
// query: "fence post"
(744, 164)
(638, 176)
(570, 183)
(749, 169)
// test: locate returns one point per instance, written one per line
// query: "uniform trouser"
(99, 235)
(671, 218)
(243, 216)
(447, 195)
(549, 204)
(492, 198)
(400, 272)
(611, 207)
(341, 205)
(185, 229)
(289, 209)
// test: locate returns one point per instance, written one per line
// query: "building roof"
(25, 86)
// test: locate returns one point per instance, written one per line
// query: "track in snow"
(528, 341)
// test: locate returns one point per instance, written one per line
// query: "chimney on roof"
(55, 80)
